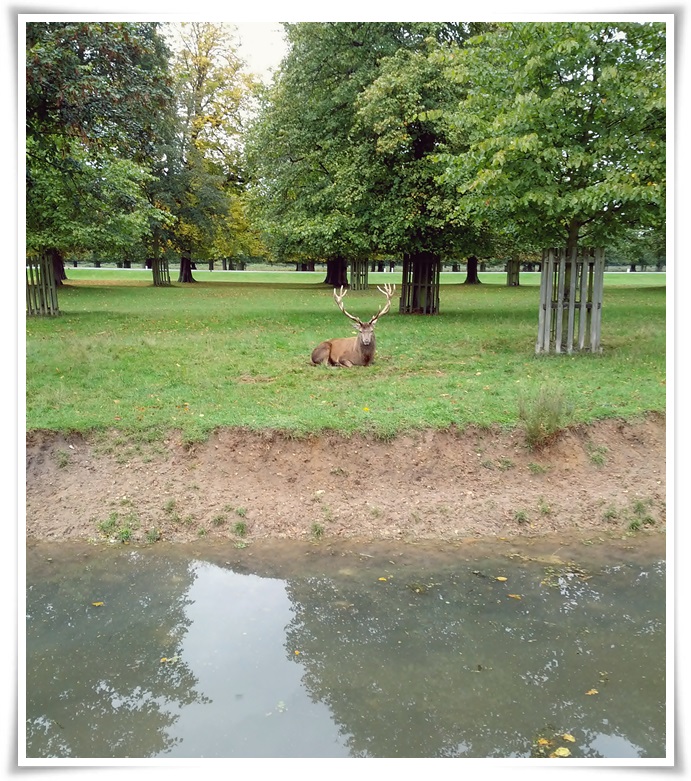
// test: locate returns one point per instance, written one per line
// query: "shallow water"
(357, 650)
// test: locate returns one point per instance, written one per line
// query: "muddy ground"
(606, 480)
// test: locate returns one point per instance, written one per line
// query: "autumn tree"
(203, 181)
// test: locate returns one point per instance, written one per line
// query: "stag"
(352, 350)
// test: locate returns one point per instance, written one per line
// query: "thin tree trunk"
(513, 269)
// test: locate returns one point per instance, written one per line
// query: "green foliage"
(119, 527)
(544, 413)
(240, 528)
(561, 134)
(127, 356)
(340, 153)
(317, 531)
(96, 97)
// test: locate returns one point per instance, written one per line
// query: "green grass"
(233, 350)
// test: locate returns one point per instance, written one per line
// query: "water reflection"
(391, 653)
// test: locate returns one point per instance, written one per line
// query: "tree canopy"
(434, 139)
(95, 97)
(561, 132)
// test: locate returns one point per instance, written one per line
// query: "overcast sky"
(261, 45)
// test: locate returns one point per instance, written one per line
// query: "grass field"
(233, 350)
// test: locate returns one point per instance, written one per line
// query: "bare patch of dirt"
(594, 480)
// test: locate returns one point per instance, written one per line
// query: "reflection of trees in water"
(463, 671)
(123, 700)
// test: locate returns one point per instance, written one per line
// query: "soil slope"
(590, 481)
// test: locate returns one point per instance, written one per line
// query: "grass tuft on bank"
(233, 350)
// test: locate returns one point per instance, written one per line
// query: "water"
(345, 651)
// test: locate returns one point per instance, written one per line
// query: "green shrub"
(544, 414)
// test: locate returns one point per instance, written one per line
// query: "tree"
(561, 134)
(343, 150)
(203, 181)
(95, 94)
(89, 206)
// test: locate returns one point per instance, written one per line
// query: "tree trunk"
(160, 271)
(632, 267)
(186, 269)
(336, 272)
(471, 276)
(420, 288)
(513, 269)
(58, 266)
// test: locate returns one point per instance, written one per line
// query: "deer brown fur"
(353, 350)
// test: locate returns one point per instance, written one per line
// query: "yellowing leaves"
(592, 691)
(568, 737)
(97, 604)
(562, 751)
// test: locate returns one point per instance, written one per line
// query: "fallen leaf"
(561, 752)
(501, 579)
(384, 579)
(592, 691)
(97, 604)
(568, 737)
(543, 742)
(514, 596)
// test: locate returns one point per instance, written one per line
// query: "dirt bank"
(594, 480)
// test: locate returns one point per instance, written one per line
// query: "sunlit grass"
(126, 355)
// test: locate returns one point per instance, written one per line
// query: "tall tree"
(204, 177)
(561, 134)
(344, 149)
(95, 95)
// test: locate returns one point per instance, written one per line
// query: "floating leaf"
(501, 579)
(297, 653)
(384, 579)
(543, 742)
(592, 691)
(97, 604)
(568, 737)
(561, 752)
(514, 596)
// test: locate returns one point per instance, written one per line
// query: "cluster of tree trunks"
(420, 284)
(41, 288)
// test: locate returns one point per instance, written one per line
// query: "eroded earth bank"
(601, 481)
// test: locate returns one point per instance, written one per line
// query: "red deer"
(353, 350)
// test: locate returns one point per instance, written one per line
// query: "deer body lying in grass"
(354, 350)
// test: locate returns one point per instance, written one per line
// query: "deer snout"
(366, 336)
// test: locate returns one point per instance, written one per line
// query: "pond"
(349, 650)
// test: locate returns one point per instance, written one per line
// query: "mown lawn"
(233, 350)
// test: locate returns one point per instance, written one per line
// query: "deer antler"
(388, 291)
(339, 301)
